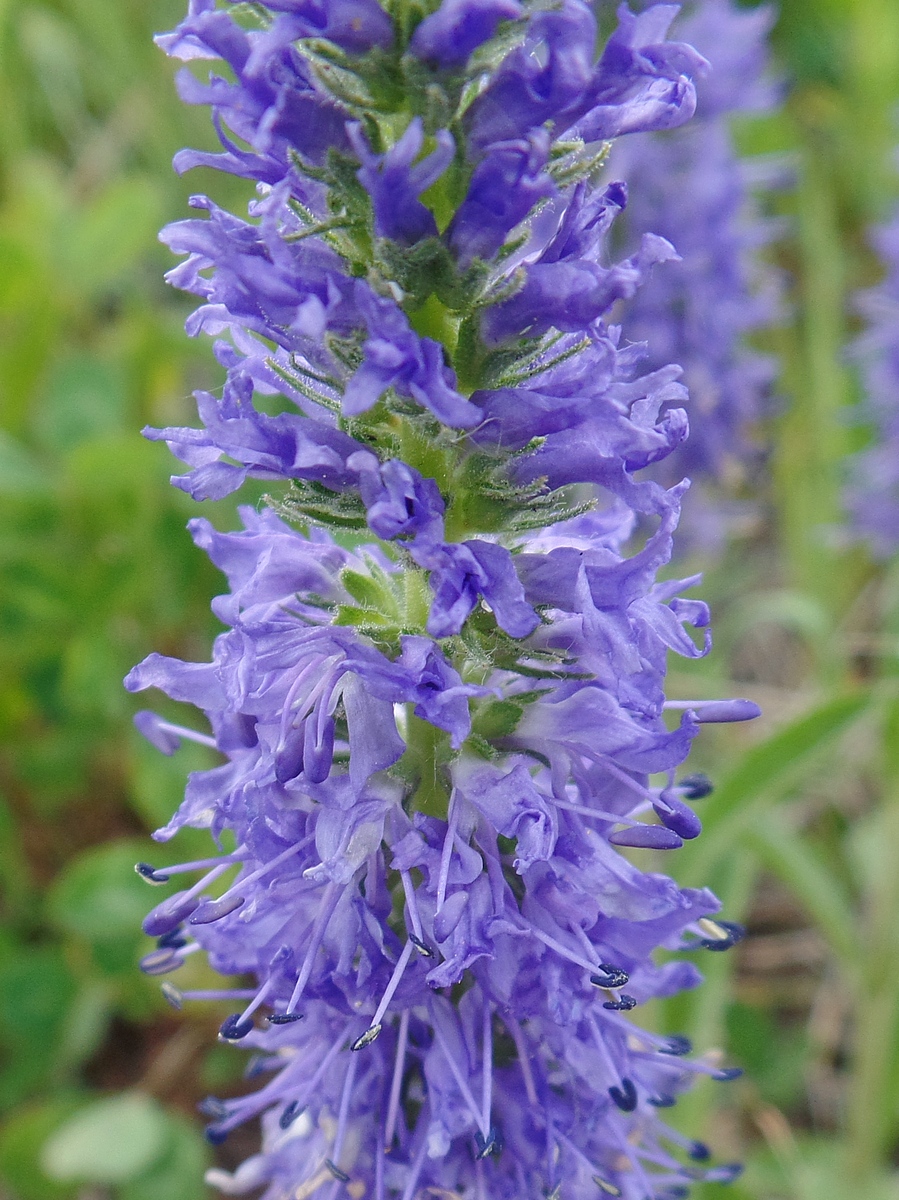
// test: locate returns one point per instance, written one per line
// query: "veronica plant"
(439, 697)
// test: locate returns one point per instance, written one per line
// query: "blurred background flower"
(98, 570)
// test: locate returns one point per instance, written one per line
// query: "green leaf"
(786, 855)
(100, 898)
(109, 1141)
(179, 1174)
(21, 1139)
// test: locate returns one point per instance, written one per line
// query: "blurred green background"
(802, 833)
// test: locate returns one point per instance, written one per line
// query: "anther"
(722, 934)
(726, 1173)
(336, 1171)
(699, 1152)
(161, 961)
(726, 1074)
(172, 941)
(677, 1045)
(367, 1038)
(604, 1186)
(173, 996)
(290, 1114)
(151, 874)
(624, 1097)
(491, 1144)
(284, 1018)
(234, 1028)
(211, 1106)
(613, 977)
(696, 787)
(421, 946)
(624, 1003)
(214, 1135)
(661, 1101)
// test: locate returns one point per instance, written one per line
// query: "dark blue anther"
(173, 941)
(290, 1114)
(284, 1018)
(625, 1097)
(699, 1152)
(420, 946)
(677, 1045)
(491, 1144)
(726, 1173)
(214, 1135)
(234, 1028)
(336, 1171)
(727, 1073)
(624, 1003)
(150, 873)
(612, 977)
(696, 787)
(662, 1101)
(734, 933)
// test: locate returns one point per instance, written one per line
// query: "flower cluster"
(873, 492)
(692, 187)
(439, 698)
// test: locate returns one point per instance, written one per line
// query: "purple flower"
(448, 36)
(396, 179)
(872, 494)
(434, 746)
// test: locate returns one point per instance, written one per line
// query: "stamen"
(344, 1109)
(289, 1115)
(326, 908)
(722, 935)
(398, 970)
(518, 1038)
(491, 1144)
(612, 977)
(339, 1175)
(158, 875)
(417, 936)
(165, 736)
(604, 1186)
(709, 712)
(176, 998)
(396, 1082)
(214, 910)
(447, 851)
(412, 1184)
(696, 786)
(624, 1097)
(560, 949)
(166, 958)
(487, 1081)
(171, 912)
(624, 1003)
(459, 1078)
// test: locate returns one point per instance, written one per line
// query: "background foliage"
(800, 835)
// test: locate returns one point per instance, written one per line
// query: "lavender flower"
(692, 187)
(873, 491)
(433, 743)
